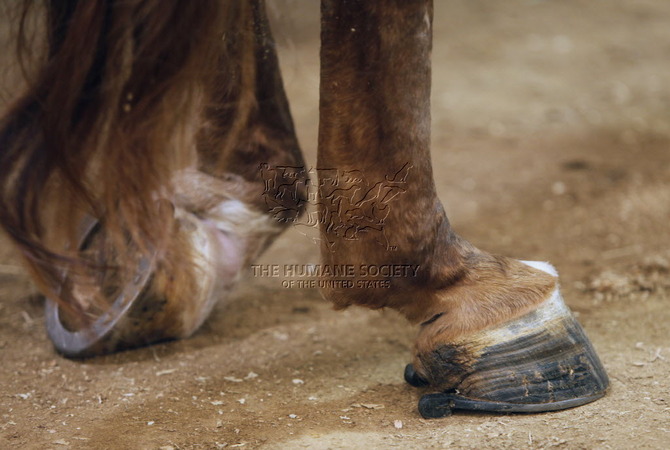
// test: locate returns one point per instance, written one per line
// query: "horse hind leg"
(248, 184)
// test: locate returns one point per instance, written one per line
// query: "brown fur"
(130, 92)
(166, 109)
(102, 126)
(375, 112)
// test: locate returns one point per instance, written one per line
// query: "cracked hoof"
(539, 362)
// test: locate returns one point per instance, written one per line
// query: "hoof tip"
(412, 378)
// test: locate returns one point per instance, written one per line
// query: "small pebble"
(558, 188)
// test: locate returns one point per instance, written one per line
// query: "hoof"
(105, 334)
(539, 362)
(414, 379)
(141, 313)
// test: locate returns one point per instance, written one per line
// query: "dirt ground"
(551, 141)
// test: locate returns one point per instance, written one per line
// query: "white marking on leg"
(543, 266)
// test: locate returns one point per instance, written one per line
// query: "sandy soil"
(551, 141)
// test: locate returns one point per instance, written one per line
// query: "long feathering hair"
(113, 109)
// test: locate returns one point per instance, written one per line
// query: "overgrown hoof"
(109, 332)
(150, 308)
(542, 361)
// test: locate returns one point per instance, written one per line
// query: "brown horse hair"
(110, 111)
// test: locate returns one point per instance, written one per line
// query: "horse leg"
(494, 333)
(222, 219)
(246, 136)
(247, 123)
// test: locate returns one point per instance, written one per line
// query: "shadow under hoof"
(434, 406)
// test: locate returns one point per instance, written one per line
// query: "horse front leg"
(494, 332)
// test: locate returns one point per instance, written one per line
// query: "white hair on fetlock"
(543, 266)
(234, 216)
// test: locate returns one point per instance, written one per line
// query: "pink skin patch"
(228, 253)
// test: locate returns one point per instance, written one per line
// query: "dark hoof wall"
(412, 378)
(542, 361)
